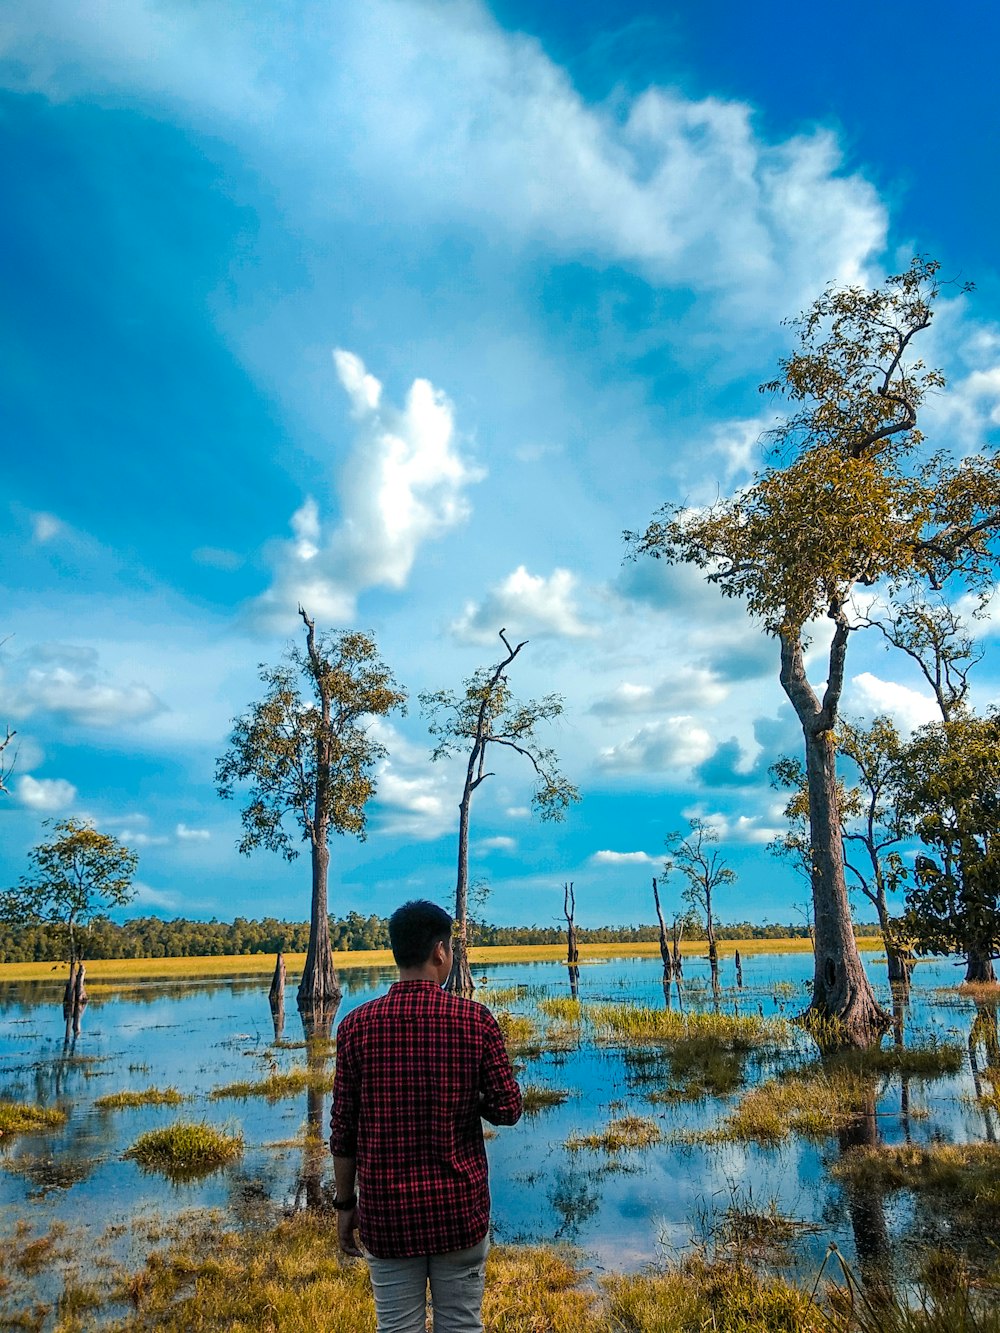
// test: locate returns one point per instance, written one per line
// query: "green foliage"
(79, 873)
(951, 790)
(310, 758)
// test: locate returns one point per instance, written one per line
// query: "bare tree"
(664, 942)
(484, 715)
(702, 865)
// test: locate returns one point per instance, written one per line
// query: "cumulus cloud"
(745, 829)
(910, 708)
(497, 844)
(415, 799)
(685, 687)
(46, 795)
(45, 527)
(608, 858)
(531, 604)
(66, 680)
(676, 742)
(147, 896)
(439, 108)
(403, 484)
(185, 834)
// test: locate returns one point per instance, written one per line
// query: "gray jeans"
(457, 1280)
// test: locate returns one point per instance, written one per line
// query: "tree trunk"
(678, 931)
(739, 969)
(319, 986)
(843, 1011)
(276, 995)
(460, 981)
(843, 999)
(979, 967)
(664, 943)
(713, 950)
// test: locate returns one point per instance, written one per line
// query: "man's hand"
(347, 1224)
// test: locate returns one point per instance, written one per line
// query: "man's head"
(415, 931)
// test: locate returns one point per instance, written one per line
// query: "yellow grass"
(110, 970)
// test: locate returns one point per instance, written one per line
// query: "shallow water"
(622, 1209)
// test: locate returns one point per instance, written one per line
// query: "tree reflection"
(317, 1024)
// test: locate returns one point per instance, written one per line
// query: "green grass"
(186, 1149)
(964, 1176)
(120, 1101)
(627, 1132)
(815, 1106)
(536, 1097)
(283, 1083)
(27, 1118)
(933, 1060)
(564, 1008)
(518, 1030)
(635, 1023)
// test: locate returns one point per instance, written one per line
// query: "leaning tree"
(485, 716)
(852, 499)
(307, 759)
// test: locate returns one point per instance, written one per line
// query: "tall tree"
(75, 876)
(6, 763)
(699, 860)
(857, 502)
(308, 761)
(484, 716)
(951, 789)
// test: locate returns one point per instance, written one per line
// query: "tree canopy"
(77, 875)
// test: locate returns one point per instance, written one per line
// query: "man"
(417, 1072)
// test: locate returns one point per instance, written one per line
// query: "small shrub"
(186, 1149)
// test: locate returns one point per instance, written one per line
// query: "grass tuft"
(27, 1118)
(283, 1083)
(186, 1149)
(120, 1101)
(635, 1023)
(630, 1131)
(816, 1106)
(535, 1097)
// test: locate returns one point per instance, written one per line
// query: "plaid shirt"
(416, 1069)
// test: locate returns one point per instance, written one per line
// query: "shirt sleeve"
(346, 1096)
(500, 1096)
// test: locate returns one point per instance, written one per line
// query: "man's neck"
(426, 973)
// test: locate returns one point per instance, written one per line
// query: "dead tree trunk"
(276, 995)
(739, 969)
(569, 911)
(460, 981)
(664, 944)
(677, 930)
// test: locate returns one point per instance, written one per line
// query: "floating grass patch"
(967, 1175)
(536, 1097)
(815, 1106)
(186, 1149)
(627, 1132)
(121, 1101)
(699, 1069)
(27, 1118)
(936, 1059)
(282, 1083)
(635, 1023)
(499, 997)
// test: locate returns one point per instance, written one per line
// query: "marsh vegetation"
(701, 1153)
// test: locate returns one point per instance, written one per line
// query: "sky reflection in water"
(622, 1209)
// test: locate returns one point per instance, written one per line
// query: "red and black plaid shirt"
(416, 1069)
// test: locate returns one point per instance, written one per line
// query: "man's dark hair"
(414, 929)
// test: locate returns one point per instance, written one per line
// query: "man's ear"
(439, 953)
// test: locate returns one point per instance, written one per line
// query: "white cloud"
(685, 687)
(448, 116)
(403, 484)
(146, 896)
(608, 858)
(48, 795)
(497, 844)
(518, 812)
(44, 527)
(66, 680)
(416, 799)
(185, 834)
(676, 742)
(530, 604)
(743, 829)
(910, 708)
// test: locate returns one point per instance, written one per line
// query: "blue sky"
(405, 310)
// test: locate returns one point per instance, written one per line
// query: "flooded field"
(642, 1134)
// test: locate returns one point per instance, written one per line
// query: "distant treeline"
(149, 937)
